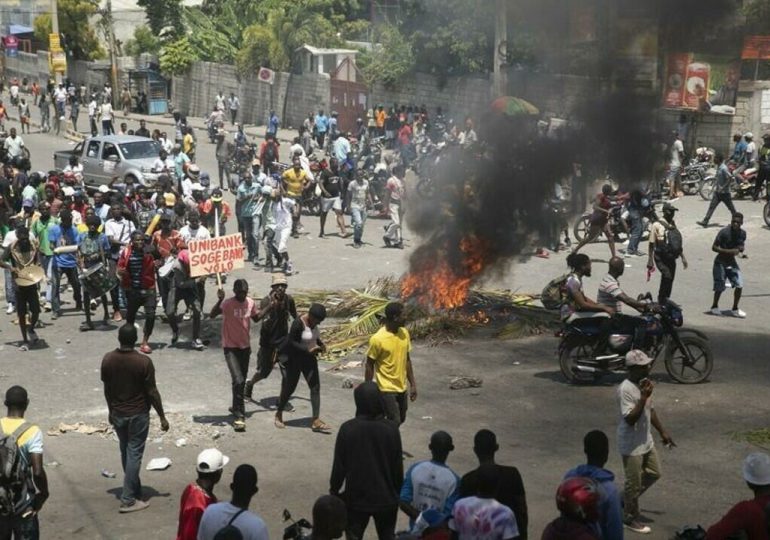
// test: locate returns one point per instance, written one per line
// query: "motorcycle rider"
(611, 295)
(764, 166)
(577, 306)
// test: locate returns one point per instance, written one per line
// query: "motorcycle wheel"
(581, 226)
(681, 369)
(425, 187)
(568, 359)
(690, 185)
(766, 213)
(706, 188)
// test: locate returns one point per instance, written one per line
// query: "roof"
(318, 51)
(19, 29)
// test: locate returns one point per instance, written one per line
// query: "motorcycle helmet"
(578, 498)
(193, 171)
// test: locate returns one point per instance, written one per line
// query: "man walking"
(233, 519)
(635, 442)
(665, 248)
(198, 495)
(359, 195)
(21, 520)
(272, 124)
(247, 196)
(136, 270)
(233, 104)
(129, 388)
(367, 459)
(321, 127)
(395, 193)
(389, 364)
(237, 314)
(724, 180)
(510, 487)
(729, 244)
(64, 264)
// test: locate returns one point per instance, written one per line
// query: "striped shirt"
(609, 291)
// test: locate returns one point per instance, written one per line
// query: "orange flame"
(438, 284)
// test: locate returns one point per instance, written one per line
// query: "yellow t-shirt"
(295, 182)
(31, 441)
(389, 352)
(188, 144)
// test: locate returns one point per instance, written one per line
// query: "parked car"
(104, 157)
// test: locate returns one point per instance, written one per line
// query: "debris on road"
(348, 383)
(341, 366)
(103, 428)
(460, 383)
(181, 442)
(108, 474)
(159, 464)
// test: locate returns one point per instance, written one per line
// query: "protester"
(60, 236)
(185, 287)
(722, 186)
(431, 484)
(294, 183)
(233, 104)
(665, 248)
(675, 166)
(509, 490)
(610, 506)
(20, 258)
(235, 514)
(577, 305)
(27, 498)
(577, 500)
(303, 345)
(481, 516)
(198, 495)
(389, 364)
(136, 270)
(331, 190)
(129, 388)
(395, 195)
(729, 243)
(359, 199)
(330, 518)
(237, 313)
(748, 519)
(635, 442)
(273, 332)
(92, 246)
(367, 459)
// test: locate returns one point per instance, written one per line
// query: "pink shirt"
(236, 322)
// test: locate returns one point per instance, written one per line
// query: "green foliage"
(259, 45)
(212, 40)
(79, 37)
(757, 13)
(144, 41)
(389, 63)
(164, 17)
(177, 57)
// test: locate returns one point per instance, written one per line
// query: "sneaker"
(198, 345)
(47, 307)
(357, 245)
(738, 313)
(268, 269)
(703, 223)
(386, 240)
(288, 269)
(637, 527)
(10, 310)
(55, 315)
(86, 326)
(92, 304)
(187, 315)
(715, 311)
(133, 507)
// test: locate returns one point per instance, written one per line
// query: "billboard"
(700, 82)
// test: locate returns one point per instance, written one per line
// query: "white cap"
(211, 460)
(68, 191)
(748, 135)
(104, 189)
(756, 469)
(636, 357)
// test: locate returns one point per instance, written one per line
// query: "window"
(109, 150)
(93, 149)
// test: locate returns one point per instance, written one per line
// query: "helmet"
(748, 135)
(193, 170)
(578, 498)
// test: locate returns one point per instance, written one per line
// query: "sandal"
(279, 423)
(319, 426)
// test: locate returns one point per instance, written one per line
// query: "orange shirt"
(379, 118)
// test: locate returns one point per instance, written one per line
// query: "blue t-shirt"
(321, 123)
(429, 484)
(64, 236)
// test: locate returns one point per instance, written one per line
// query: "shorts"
(282, 237)
(332, 203)
(723, 273)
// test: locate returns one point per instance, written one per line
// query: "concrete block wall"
(306, 94)
(34, 66)
(194, 92)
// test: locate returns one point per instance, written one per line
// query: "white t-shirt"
(60, 95)
(676, 150)
(13, 146)
(633, 440)
(187, 234)
(282, 212)
(751, 152)
(106, 112)
(358, 194)
(92, 108)
(474, 518)
(218, 515)
(119, 230)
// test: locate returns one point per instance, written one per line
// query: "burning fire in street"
(437, 283)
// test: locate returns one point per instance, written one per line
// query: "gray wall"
(306, 94)
(33, 66)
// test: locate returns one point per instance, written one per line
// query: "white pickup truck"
(104, 157)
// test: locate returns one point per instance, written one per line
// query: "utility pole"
(500, 78)
(55, 30)
(109, 28)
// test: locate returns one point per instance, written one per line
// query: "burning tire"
(569, 356)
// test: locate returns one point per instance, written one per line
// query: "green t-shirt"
(40, 230)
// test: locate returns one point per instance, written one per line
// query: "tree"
(144, 41)
(164, 17)
(79, 38)
(390, 61)
(176, 57)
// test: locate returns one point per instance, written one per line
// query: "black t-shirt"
(275, 325)
(128, 378)
(331, 182)
(729, 239)
(510, 492)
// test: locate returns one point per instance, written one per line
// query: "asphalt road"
(539, 419)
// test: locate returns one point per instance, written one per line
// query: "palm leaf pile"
(357, 314)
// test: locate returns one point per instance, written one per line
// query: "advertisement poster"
(756, 48)
(701, 82)
(11, 44)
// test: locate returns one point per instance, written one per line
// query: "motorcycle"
(742, 186)
(692, 176)
(620, 224)
(426, 167)
(298, 530)
(240, 159)
(766, 213)
(686, 351)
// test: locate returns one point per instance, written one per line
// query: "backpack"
(269, 153)
(672, 243)
(553, 294)
(15, 479)
(230, 531)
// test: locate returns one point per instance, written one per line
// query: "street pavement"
(540, 420)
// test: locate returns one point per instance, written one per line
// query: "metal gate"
(348, 96)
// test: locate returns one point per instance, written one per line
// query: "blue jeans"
(636, 229)
(10, 290)
(19, 528)
(358, 218)
(132, 433)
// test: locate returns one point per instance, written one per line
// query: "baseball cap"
(756, 469)
(104, 189)
(670, 207)
(28, 203)
(68, 191)
(170, 199)
(211, 460)
(279, 279)
(636, 357)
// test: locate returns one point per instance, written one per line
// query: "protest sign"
(215, 255)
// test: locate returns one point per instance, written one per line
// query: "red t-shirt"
(194, 502)
(746, 516)
(236, 322)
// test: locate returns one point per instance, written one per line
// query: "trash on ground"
(102, 428)
(459, 383)
(108, 474)
(348, 383)
(159, 464)
(181, 442)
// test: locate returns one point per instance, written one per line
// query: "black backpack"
(230, 531)
(672, 243)
(16, 484)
